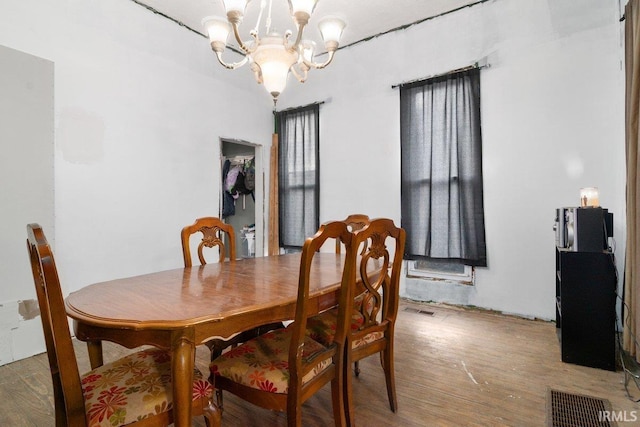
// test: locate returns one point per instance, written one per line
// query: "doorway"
(242, 195)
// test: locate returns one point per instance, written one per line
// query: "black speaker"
(585, 228)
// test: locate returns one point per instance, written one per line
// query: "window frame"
(466, 278)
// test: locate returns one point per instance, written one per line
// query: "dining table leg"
(182, 365)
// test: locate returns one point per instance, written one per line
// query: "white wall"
(140, 105)
(552, 121)
(26, 192)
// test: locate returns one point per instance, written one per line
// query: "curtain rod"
(299, 108)
(479, 65)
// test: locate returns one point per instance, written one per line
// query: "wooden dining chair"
(133, 391)
(280, 370)
(214, 233)
(376, 302)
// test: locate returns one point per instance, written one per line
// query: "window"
(298, 175)
(441, 175)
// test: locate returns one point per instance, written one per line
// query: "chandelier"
(272, 57)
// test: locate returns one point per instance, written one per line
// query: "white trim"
(465, 278)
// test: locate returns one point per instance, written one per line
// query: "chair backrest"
(379, 292)
(332, 230)
(354, 222)
(69, 401)
(213, 229)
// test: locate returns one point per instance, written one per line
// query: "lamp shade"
(217, 29)
(331, 29)
(235, 6)
(274, 77)
(306, 6)
(589, 197)
(274, 61)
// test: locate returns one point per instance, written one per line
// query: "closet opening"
(242, 195)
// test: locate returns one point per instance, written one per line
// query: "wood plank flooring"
(457, 367)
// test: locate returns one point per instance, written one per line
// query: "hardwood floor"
(457, 367)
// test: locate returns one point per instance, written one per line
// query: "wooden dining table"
(181, 308)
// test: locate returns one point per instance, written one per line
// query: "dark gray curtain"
(298, 164)
(441, 144)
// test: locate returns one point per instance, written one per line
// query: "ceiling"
(364, 18)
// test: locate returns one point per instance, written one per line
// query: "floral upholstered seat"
(322, 327)
(133, 388)
(263, 363)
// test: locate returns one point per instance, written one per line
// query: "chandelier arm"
(301, 77)
(301, 27)
(319, 66)
(233, 65)
(257, 72)
(236, 34)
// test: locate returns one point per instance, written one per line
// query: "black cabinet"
(585, 307)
